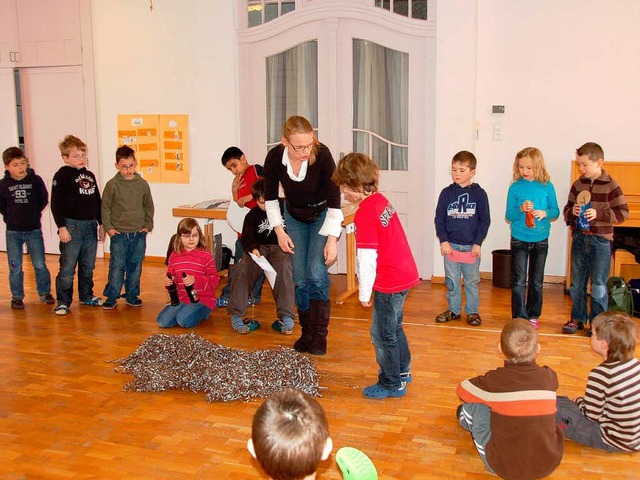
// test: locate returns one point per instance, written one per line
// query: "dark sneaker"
(48, 299)
(280, 327)
(447, 316)
(378, 392)
(474, 320)
(92, 302)
(17, 304)
(61, 310)
(248, 325)
(134, 302)
(222, 302)
(109, 304)
(570, 327)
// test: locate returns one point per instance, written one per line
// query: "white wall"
(180, 58)
(567, 72)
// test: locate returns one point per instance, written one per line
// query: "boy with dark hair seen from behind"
(462, 222)
(510, 411)
(75, 205)
(595, 203)
(23, 196)
(127, 215)
(385, 266)
(245, 174)
(607, 417)
(290, 436)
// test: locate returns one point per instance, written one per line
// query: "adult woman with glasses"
(313, 221)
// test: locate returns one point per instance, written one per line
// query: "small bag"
(620, 297)
(634, 284)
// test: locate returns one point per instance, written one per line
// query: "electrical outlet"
(497, 131)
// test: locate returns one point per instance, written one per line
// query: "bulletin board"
(161, 143)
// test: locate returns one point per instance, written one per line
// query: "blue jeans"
(186, 315)
(257, 285)
(310, 274)
(125, 265)
(590, 259)
(81, 251)
(534, 256)
(390, 342)
(35, 246)
(471, 274)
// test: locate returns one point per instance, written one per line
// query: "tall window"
(263, 11)
(408, 8)
(292, 88)
(381, 104)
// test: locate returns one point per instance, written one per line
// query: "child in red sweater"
(190, 265)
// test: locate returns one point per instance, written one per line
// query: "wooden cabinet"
(40, 33)
(8, 33)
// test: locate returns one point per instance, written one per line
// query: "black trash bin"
(501, 268)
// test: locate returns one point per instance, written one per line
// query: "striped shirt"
(607, 200)
(526, 443)
(201, 265)
(612, 399)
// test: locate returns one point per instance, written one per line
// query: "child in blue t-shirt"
(531, 207)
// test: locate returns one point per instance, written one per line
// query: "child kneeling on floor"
(193, 271)
(261, 240)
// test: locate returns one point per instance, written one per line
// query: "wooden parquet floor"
(63, 414)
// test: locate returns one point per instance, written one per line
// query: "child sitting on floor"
(510, 411)
(608, 416)
(290, 436)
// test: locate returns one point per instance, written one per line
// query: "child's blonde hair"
(519, 341)
(70, 142)
(620, 333)
(186, 225)
(357, 172)
(297, 124)
(539, 169)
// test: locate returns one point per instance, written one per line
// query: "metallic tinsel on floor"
(189, 362)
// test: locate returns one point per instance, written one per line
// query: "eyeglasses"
(77, 156)
(189, 235)
(302, 148)
(127, 167)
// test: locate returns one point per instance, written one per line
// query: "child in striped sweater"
(607, 417)
(510, 411)
(595, 203)
(190, 265)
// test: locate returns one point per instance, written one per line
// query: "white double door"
(53, 105)
(410, 190)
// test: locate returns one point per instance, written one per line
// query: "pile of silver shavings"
(189, 362)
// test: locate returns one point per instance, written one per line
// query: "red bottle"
(529, 220)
